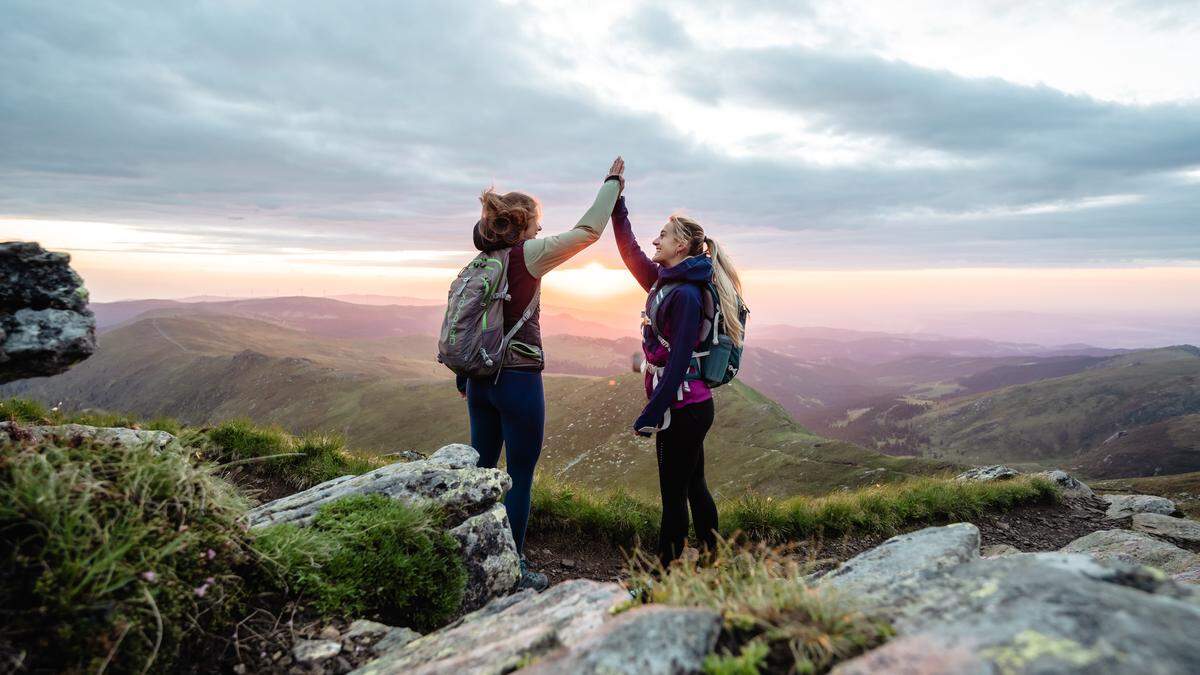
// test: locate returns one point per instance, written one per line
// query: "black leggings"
(681, 480)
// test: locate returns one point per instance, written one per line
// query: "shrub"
(111, 557)
(771, 616)
(369, 554)
(23, 410)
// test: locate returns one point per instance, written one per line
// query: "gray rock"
(988, 473)
(1040, 613)
(1157, 524)
(1137, 548)
(70, 432)
(460, 489)
(45, 325)
(389, 637)
(1124, 506)
(649, 640)
(1067, 484)
(468, 495)
(997, 550)
(902, 565)
(309, 651)
(490, 554)
(507, 633)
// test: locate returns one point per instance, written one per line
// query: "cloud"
(373, 126)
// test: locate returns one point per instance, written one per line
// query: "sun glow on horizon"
(593, 280)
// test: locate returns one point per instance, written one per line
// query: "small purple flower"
(201, 590)
(149, 576)
(211, 554)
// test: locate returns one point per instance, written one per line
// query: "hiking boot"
(530, 579)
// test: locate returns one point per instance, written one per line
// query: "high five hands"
(618, 170)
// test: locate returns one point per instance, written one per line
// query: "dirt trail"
(562, 556)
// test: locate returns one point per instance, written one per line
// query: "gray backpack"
(473, 341)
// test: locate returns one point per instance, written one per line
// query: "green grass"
(115, 556)
(301, 462)
(771, 618)
(372, 556)
(34, 412)
(886, 509)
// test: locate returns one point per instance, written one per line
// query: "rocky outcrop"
(955, 612)
(569, 628)
(45, 325)
(1067, 484)
(1182, 529)
(987, 473)
(1124, 506)
(449, 478)
(1140, 549)
(73, 433)
(468, 495)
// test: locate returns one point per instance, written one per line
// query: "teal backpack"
(716, 358)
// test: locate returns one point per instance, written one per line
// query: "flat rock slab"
(1040, 613)
(901, 565)
(1137, 548)
(650, 640)
(997, 550)
(449, 478)
(387, 637)
(508, 633)
(1124, 506)
(71, 432)
(1157, 524)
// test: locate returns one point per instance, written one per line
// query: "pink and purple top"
(679, 316)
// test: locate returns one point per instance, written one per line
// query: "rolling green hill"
(382, 397)
(1149, 395)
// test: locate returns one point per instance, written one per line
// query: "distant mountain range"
(1105, 413)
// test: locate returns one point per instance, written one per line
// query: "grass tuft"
(371, 555)
(299, 462)
(771, 617)
(114, 555)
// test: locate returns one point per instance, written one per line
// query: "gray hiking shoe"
(530, 579)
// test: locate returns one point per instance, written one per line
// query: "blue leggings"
(512, 413)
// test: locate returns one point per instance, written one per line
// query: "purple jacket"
(678, 320)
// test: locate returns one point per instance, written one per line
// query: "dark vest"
(521, 286)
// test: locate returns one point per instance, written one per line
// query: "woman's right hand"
(618, 170)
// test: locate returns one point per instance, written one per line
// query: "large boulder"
(45, 325)
(954, 612)
(1124, 506)
(1139, 549)
(449, 479)
(72, 433)
(1170, 527)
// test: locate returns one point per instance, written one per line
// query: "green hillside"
(207, 369)
(1069, 419)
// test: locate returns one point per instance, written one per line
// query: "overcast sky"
(843, 135)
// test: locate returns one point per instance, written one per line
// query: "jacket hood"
(697, 269)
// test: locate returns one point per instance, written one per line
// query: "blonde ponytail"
(729, 288)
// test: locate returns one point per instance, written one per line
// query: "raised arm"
(546, 253)
(643, 268)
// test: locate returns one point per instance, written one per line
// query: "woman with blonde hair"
(680, 408)
(509, 410)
